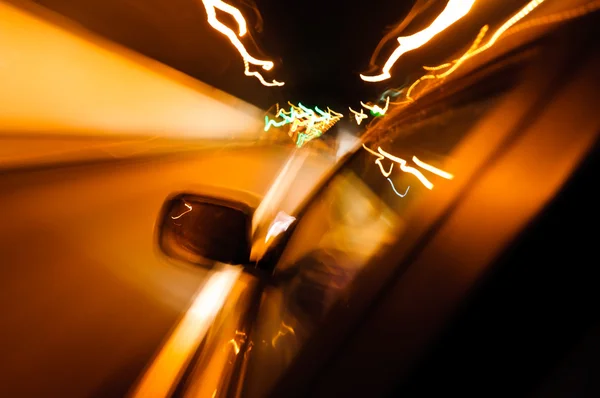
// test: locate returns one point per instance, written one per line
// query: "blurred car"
(447, 252)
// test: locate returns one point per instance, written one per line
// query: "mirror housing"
(203, 230)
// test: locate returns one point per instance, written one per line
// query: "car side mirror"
(203, 230)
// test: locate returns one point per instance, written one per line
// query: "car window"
(362, 209)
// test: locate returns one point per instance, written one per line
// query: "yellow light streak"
(434, 170)
(211, 7)
(359, 116)
(455, 10)
(376, 108)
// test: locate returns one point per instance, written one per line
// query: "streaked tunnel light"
(455, 10)
(381, 154)
(211, 7)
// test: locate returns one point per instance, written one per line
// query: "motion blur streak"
(185, 212)
(211, 7)
(455, 10)
(376, 109)
(64, 80)
(359, 116)
(432, 169)
(396, 192)
(558, 17)
(407, 169)
(513, 20)
(475, 49)
(163, 373)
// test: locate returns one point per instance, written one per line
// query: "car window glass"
(363, 208)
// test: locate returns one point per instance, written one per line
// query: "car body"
(472, 280)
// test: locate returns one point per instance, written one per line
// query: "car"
(449, 252)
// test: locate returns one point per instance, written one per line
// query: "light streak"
(301, 116)
(376, 109)
(557, 17)
(211, 7)
(272, 122)
(286, 329)
(407, 169)
(380, 157)
(455, 10)
(385, 173)
(334, 113)
(236, 347)
(434, 170)
(533, 4)
(396, 192)
(359, 116)
(185, 212)
(247, 72)
(475, 48)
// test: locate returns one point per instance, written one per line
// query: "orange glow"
(359, 116)
(211, 7)
(50, 67)
(376, 109)
(455, 10)
(432, 169)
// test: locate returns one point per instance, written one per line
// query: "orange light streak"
(475, 49)
(434, 170)
(455, 10)
(211, 7)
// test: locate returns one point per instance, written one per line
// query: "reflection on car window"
(364, 208)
